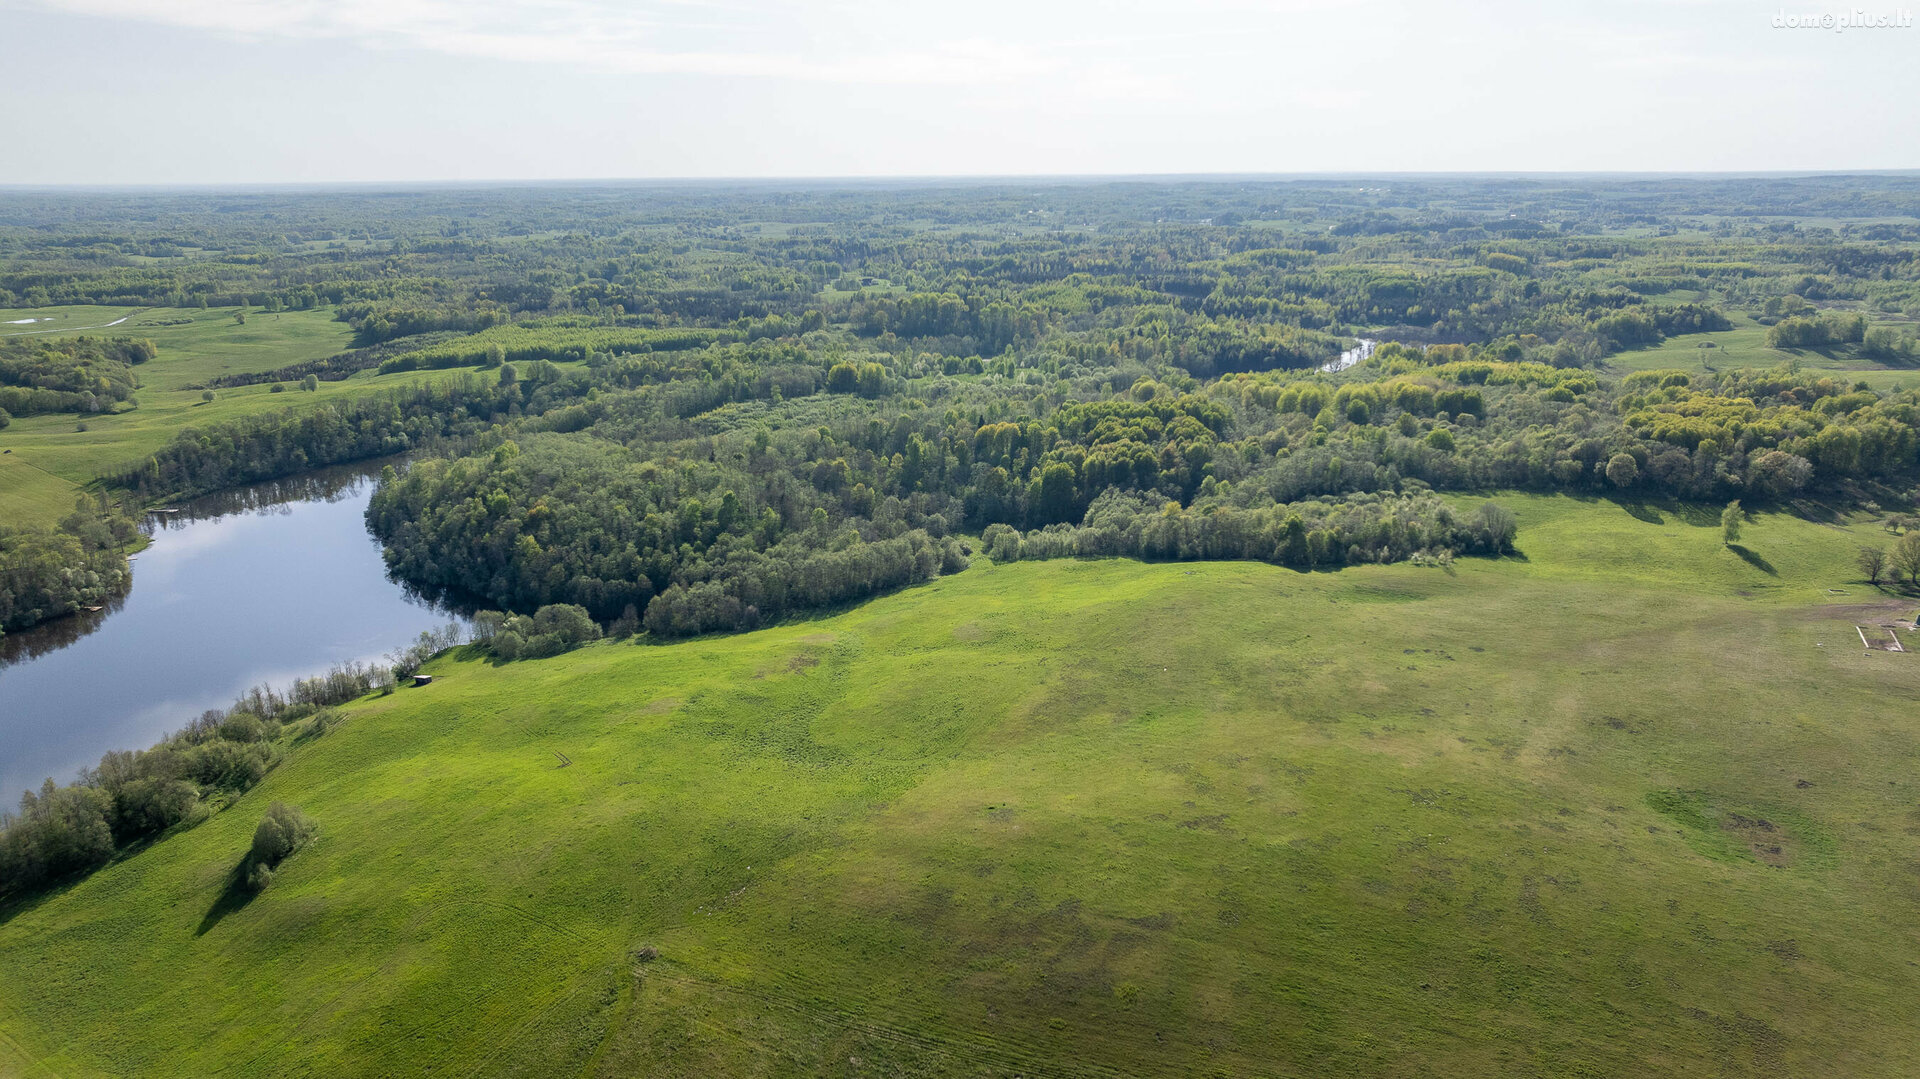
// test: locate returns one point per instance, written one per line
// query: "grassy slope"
(1080, 818)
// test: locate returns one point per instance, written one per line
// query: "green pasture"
(197, 344)
(1746, 346)
(1629, 804)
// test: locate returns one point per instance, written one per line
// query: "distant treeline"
(1318, 533)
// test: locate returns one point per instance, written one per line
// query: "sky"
(314, 91)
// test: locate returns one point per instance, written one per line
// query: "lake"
(264, 584)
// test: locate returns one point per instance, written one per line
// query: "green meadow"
(200, 343)
(1629, 804)
(54, 456)
(69, 318)
(1746, 346)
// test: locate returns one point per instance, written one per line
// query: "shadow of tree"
(1658, 510)
(1753, 560)
(18, 903)
(1697, 514)
(233, 897)
(1814, 510)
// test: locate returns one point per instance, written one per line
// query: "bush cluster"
(283, 830)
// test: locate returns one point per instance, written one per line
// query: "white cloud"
(834, 41)
(492, 88)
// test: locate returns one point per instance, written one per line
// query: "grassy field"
(1746, 346)
(52, 457)
(1631, 804)
(73, 318)
(28, 493)
(196, 344)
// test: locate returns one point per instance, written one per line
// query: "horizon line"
(10, 187)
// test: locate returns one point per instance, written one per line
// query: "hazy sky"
(192, 91)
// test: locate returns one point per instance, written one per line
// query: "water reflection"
(22, 645)
(264, 584)
(274, 496)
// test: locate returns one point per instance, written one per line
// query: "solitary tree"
(1873, 563)
(310, 383)
(207, 397)
(1730, 522)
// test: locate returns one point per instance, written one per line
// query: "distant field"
(1632, 804)
(1746, 346)
(211, 344)
(45, 321)
(56, 444)
(208, 344)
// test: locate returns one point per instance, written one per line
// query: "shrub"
(281, 832)
(1496, 527)
(144, 806)
(228, 765)
(551, 630)
(242, 727)
(1002, 543)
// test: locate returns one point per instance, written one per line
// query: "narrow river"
(1350, 357)
(264, 584)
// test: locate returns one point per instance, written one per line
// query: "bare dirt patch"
(1768, 841)
(1867, 614)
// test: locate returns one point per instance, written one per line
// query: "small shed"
(423, 679)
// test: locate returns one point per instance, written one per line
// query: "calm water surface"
(266, 584)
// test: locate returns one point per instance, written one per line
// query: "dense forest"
(698, 408)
